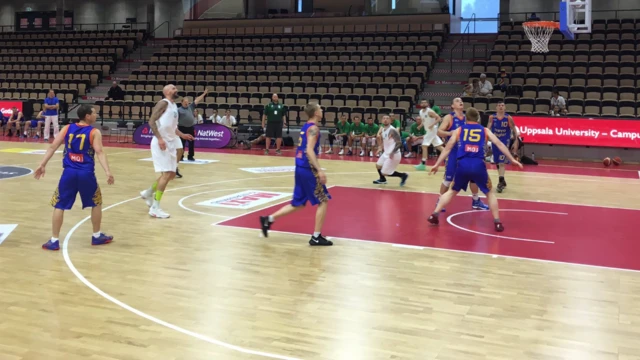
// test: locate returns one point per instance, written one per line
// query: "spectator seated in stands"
(115, 92)
(227, 120)
(214, 117)
(534, 17)
(414, 141)
(197, 116)
(503, 82)
(343, 128)
(485, 86)
(472, 89)
(558, 104)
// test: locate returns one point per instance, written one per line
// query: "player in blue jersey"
(310, 180)
(502, 126)
(467, 145)
(82, 142)
(450, 123)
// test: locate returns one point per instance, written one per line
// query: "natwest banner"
(579, 131)
(207, 135)
(7, 106)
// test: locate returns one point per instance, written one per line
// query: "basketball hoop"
(539, 32)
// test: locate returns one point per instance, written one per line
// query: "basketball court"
(204, 284)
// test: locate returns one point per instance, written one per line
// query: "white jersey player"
(164, 148)
(391, 143)
(431, 121)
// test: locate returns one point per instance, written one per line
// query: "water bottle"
(533, 156)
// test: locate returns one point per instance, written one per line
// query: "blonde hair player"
(450, 124)
(164, 148)
(310, 179)
(391, 143)
(430, 121)
(466, 145)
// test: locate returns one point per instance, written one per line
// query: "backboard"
(575, 17)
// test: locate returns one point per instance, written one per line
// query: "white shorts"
(432, 138)
(389, 164)
(167, 160)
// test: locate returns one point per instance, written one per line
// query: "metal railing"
(555, 15)
(465, 34)
(85, 27)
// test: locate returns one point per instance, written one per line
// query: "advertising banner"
(214, 136)
(579, 131)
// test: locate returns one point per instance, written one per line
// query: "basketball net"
(539, 33)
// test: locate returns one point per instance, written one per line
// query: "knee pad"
(446, 183)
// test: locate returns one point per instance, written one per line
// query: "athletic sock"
(496, 220)
(501, 179)
(397, 174)
(316, 234)
(159, 195)
(97, 234)
(382, 177)
(424, 161)
(435, 214)
(476, 197)
(54, 239)
(271, 219)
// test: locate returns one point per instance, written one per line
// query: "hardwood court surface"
(221, 292)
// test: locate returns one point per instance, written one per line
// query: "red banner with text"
(579, 131)
(7, 107)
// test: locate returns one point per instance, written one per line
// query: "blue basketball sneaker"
(101, 240)
(53, 246)
(478, 205)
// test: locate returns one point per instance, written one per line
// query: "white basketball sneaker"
(147, 197)
(156, 212)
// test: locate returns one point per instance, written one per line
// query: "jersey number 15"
(472, 135)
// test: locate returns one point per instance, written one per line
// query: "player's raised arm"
(57, 141)
(503, 148)
(453, 140)
(96, 144)
(443, 130)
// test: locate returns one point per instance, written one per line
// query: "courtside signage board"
(579, 131)
(244, 200)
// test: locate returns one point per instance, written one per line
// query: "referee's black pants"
(191, 130)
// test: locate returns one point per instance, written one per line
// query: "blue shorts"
(73, 182)
(498, 156)
(34, 123)
(308, 188)
(451, 166)
(471, 170)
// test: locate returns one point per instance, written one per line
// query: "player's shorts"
(471, 170)
(308, 188)
(167, 160)
(389, 164)
(34, 123)
(73, 182)
(451, 165)
(498, 156)
(432, 138)
(274, 130)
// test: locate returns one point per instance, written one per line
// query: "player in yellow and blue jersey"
(467, 146)
(82, 142)
(310, 179)
(502, 125)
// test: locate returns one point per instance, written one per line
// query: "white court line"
(56, 160)
(501, 236)
(638, 174)
(500, 199)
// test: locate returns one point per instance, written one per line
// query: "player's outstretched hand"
(434, 170)
(39, 172)
(162, 144)
(110, 179)
(517, 163)
(323, 177)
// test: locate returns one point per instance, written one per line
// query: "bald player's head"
(170, 92)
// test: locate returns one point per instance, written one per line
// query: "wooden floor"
(184, 289)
